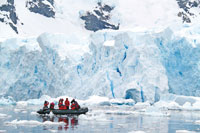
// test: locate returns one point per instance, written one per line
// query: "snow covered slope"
(33, 17)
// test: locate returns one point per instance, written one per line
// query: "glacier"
(129, 62)
(116, 64)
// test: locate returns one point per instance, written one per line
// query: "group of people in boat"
(63, 106)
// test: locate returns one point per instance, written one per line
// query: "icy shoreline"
(102, 110)
(170, 102)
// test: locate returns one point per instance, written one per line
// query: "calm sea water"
(98, 121)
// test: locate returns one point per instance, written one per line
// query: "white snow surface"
(148, 13)
(109, 43)
(3, 2)
(130, 14)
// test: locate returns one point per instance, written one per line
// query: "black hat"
(73, 100)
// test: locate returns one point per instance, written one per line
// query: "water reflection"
(66, 121)
(74, 122)
(70, 121)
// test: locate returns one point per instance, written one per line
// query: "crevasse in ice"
(120, 64)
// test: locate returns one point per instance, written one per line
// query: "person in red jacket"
(73, 106)
(60, 105)
(46, 103)
(52, 106)
(77, 106)
(67, 103)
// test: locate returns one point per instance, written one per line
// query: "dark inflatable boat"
(64, 112)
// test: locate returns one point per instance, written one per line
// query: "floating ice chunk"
(53, 123)
(94, 117)
(53, 131)
(184, 131)
(96, 100)
(187, 105)
(2, 131)
(34, 113)
(31, 123)
(119, 112)
(104, 101)
(167, 105)
(141, 105)
(22, 104)
(22, 110)
(196, 105)
(181, 100)
(197, 122)
(21, 107)
(2, 116)
(136, 132)
(7, 101)
(122, 101)
(177, 102)
(153, 111)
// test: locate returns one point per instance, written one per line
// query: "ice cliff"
(117, 64)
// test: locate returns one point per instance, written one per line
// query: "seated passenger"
(46, 103)
(60, 105)
(52, 106)
(75, 105)
(73, 100)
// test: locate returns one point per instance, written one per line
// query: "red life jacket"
(73, 106)
(67, 103)
(62, 107)
(77, 106)
(60, 103)
(52, 105)
(46, 104)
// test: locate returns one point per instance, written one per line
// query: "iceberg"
(31, 123)
(115, 64)
(3, 116)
